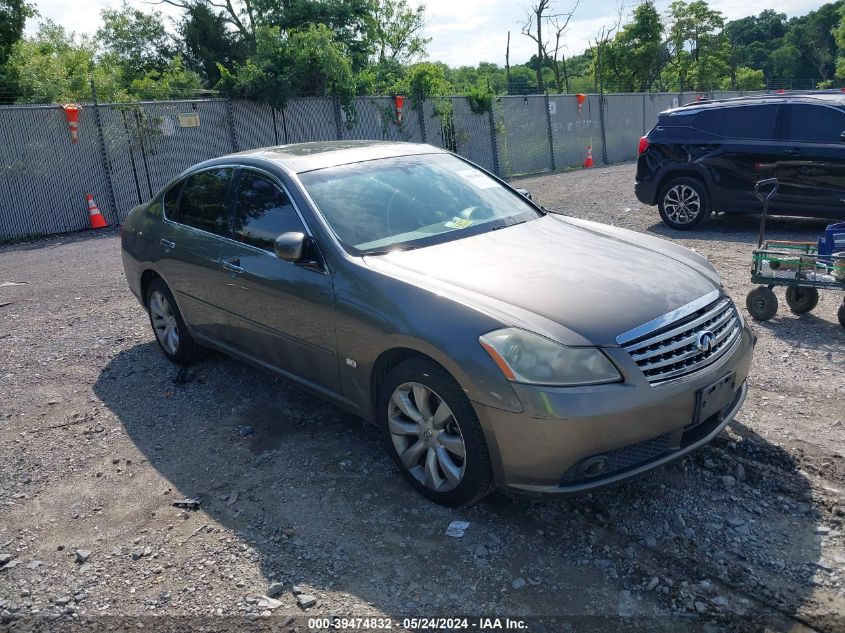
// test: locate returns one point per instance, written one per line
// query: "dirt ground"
(99, 434)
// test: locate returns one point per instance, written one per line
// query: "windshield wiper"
(504, 226)
(386, 251)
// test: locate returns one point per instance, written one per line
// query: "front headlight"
(533, 359)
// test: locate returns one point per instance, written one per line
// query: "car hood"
(579, 282)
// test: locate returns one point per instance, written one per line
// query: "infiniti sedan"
(492, 342)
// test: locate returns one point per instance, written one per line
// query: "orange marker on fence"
(94, 216)
(72, 115)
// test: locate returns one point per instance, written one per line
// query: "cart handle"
(764, 199)
(773, 182)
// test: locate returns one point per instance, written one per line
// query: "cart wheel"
(762, 303)
(802, 300)
(841, 314)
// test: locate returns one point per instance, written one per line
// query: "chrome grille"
(677, 348)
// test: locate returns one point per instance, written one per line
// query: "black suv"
(708, 155)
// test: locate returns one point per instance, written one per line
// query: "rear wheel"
(433, 434)
(841, 314)
(762, 303)
(683, 203)
(168, 326)
(801, 300)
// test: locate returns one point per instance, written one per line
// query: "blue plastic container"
(832, 241)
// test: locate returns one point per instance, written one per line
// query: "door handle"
(232, 265)
(167, 243)
(792, 151)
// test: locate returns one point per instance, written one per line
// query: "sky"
(462, 32)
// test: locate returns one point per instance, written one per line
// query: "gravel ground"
(305, 515)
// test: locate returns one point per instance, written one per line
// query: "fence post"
(103, 152)
(421, 116)
(602, 128)
(494, 144)
(338, 119)
(231, 111)
(549, 130)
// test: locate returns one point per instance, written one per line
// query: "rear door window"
(263, 212)
(747, 122)
(205, 201)
(815, 123)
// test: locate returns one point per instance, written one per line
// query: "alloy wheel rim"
(164, 322)
(682, 204)
(426, 436)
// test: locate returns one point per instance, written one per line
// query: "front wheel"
(762, 303)
(802, 300)
(683, 203)
(841, 314)
(433, 434)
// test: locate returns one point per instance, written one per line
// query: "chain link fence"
(128, 152)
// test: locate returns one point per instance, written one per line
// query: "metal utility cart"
(803, 267)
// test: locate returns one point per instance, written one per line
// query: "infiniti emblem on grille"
(705, 341)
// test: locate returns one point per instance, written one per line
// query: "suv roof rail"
(824, 95)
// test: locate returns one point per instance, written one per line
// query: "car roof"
(832, 98)
(302, 157)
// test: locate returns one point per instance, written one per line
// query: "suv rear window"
(815, 123)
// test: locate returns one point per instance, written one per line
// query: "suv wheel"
(433, 434)
(683, 203)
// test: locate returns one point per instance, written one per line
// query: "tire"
(683, 203)
(168, 325)
(762, 303)
(427, 451)
(802, 300)
(841, 314)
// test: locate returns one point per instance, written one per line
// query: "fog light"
(594, 466)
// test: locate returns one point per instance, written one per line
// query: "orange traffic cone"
(94, 216)
(588, 162)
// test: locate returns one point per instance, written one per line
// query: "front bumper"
(631, 426)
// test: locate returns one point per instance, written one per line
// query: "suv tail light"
(643, 145)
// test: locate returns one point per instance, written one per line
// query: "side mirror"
(291, 246)
(527, 193)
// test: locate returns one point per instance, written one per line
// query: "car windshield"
(412, 201)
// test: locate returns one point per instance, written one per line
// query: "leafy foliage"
(13, 17)
(302, 62)
(136, 41)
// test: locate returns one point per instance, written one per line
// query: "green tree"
(698, 49)
(57, 66)
(636, 56)
(745, 78)
(785, 61)
(173, 82)
(397, 31)
(300, 62)
(813, 35)
(13, 17)
(137, 41)
(753, 39)
(207, 41)
(839, 38)
(423, 81)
